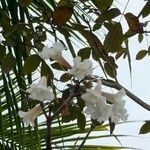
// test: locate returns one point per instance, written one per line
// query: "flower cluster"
(98, 108)
(99, 105)
(96, 105)
(39, 92)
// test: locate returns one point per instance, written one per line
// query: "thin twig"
(44, 112)
(85, 138)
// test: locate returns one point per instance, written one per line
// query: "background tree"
(75, 24)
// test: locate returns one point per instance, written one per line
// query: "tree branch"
(70, 97)
(48, 134)
(128, 93)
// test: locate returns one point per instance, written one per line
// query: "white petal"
(22, 114)
(43, 82)
(58, 46)
(120, 94)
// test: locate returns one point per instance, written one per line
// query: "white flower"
(96, 105)
(40, 91)
(55, 53)
(30, 116)
(56, 50)
(44, 54)
(81, 69)
(118, 110)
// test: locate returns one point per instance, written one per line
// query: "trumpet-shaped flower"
(40, 91)
(81, 69)
(30, 116)
(44, 54)
(118, 110)
(55, 53)
(96, 105)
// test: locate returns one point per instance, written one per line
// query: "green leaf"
(108, 15)
(120, 53)
(80, 103)
(103, 5)
(145, 11)
(140, 38)
(46, 71)
(81, 121)
(110, 70)
(145, 128)
(58, 67)
(31, 64)
(141, 54)
(8, 63)
(114, 38)
(65, 77)
(84, 53)
(112, 13)
(97, 25)
(2, 52)
(149, 50)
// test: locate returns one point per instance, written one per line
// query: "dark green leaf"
(65, 77)
(141, 54)
(112, 126)
(97, 25)
(149, 50)
(103, 5)
(58, 67)
(146, 11)
(114, 38)
(145, 128)
(84, 52)
(80, 103)
(8, 63)
(2, 52)
(46, 71)
(140, 38)
(81, 121)
(120, 52)
(108, 15)
(31, 64)
(110, 70)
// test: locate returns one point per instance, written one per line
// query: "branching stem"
(128, 93)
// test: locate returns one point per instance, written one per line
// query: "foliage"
(25, 27)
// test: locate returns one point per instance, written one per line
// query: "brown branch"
(48, 135)
(128, 93)
(66, 102)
